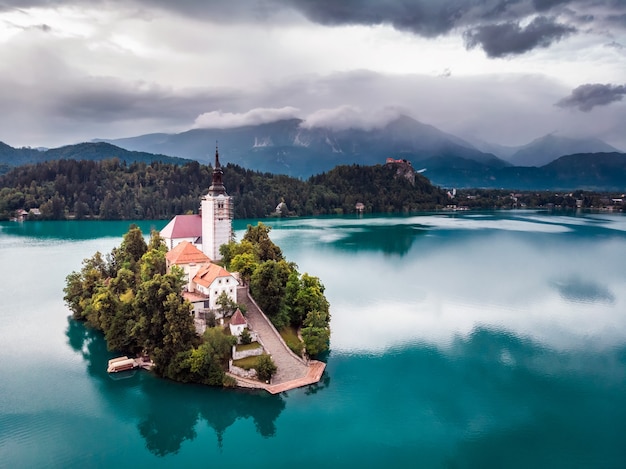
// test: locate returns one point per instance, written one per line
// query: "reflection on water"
(458, 340)
(577, 290)
(390, 239)
(453, 273)
(76, 230)
(168, 413)
(491, 400)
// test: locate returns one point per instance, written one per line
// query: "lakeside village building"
(193, 243)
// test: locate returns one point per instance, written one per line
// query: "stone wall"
(247, 353)
(235, 370)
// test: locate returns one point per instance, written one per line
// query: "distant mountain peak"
(552, 146)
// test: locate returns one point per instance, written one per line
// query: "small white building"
(237, 323)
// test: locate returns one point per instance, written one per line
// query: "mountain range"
(97, 151)
(290, 147)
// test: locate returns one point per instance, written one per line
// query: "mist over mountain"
(287, 147)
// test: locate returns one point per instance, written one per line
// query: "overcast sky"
(504, 71)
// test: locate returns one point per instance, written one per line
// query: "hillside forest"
(116, 190)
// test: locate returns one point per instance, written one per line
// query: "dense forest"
(113, 189)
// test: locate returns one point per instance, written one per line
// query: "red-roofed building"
(237, 323)
(183, 228)
(189, 258)
(207, 283)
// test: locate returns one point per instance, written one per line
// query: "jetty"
(121, 364)
(124, 363)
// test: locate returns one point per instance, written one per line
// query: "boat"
(121, 364)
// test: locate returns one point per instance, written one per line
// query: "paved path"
(289, 365)
(292, 372)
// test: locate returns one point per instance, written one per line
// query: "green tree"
(267, 286)
(265, 248)
(265, 368)
(244, 263)
(226, 305)
(80, 287)
(304, 295)
(207, 363)
(133, 246)
(316, 332)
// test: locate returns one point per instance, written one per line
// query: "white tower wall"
(216, 224)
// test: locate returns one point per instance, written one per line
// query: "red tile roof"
(194, 297)
(238, 319)
(183, 226)
(208, 273)
(186, 253)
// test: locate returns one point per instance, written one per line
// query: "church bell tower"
(217, 214)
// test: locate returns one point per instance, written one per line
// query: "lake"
(458, 340)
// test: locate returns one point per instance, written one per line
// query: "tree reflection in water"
(169, 412)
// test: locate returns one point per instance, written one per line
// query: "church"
(193, 243)
(209, 229)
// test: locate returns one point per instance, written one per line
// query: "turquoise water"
(472, 340)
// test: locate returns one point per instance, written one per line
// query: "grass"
(251, 346)
(290, 336)
(247, 363)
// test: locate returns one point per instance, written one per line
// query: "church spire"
(217, 156)
(217, 186)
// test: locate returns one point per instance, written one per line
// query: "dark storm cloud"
(499, 40)
(586, 97)
(484, 22)
(103, 99)
(494, 25)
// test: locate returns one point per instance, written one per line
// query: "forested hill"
(113, 189)
(11, 157)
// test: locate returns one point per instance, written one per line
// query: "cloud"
(499, 40)
(586, 97)
(351, 117)
(226, 120)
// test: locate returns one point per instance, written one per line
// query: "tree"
(304, 295)
(80, 287)
(226, 305)
(267, 286)
(316, 332)
(205, 364)
(245, 336)
(133, 246)
(259, 237)
(244, 263)
(265, 368)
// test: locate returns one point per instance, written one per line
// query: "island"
(196, 306)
